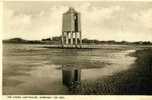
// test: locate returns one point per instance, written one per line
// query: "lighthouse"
(71, 29)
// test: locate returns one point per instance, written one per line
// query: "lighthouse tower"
(71, 29)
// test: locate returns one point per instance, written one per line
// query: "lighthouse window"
(76, 75)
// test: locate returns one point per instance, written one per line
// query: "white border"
(67, 97)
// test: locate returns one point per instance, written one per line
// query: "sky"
(111, 20)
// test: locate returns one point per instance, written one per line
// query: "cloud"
(112, 22)
(40, 25)
(145, 17)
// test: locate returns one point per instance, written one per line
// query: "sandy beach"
(134, 81)
(32, 69)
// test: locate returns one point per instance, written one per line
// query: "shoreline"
(125, 82)
(134, 81)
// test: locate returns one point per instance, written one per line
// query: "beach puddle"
(52, 71)
(120, 62)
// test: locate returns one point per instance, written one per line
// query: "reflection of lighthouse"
(71, 29)
(71, 75)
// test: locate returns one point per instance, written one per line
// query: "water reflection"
(71, 76)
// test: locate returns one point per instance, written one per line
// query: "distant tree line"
(57, 40)
(94, 41)
(20, 40)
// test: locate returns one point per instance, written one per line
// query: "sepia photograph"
(77, 48)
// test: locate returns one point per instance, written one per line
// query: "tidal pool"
(34, 70)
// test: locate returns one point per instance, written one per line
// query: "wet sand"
(134, 81)
(32, 70)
